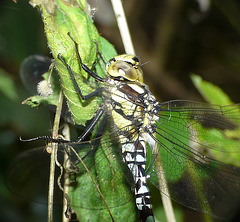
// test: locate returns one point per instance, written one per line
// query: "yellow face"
(125, 67)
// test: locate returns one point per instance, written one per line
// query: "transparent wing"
(28, 174)
(28, 177)
(198, 143)
(31, 70)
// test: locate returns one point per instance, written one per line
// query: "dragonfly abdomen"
(134, 155)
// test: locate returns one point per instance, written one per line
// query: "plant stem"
(66, 134)
(53, 157)
(123, 26)
(167, 203)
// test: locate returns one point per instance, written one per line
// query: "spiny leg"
(91, 125)
(90, 95)
(85, 68)
(96, 141)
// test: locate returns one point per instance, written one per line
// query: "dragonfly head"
(125, 68)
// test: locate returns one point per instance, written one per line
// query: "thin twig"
(123, 26)
(66, 134)
(53, 157)
(167, 203)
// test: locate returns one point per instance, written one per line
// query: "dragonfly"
(190, 139)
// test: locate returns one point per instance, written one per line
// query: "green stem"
(53, 157)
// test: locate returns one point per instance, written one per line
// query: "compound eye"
(123, 70)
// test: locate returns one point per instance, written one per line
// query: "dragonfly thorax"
(124, 68)
(131, 105)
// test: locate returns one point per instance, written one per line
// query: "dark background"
(175, 37)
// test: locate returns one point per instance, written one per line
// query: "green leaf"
(35, 101)
(7, 86)
(228, 139)
(210, 92)
(59, 19)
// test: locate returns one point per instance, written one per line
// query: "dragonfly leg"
(95, 142)
(85, 68)
(90, 95)
(91, 125)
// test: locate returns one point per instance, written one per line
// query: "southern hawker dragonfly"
(189, 139)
